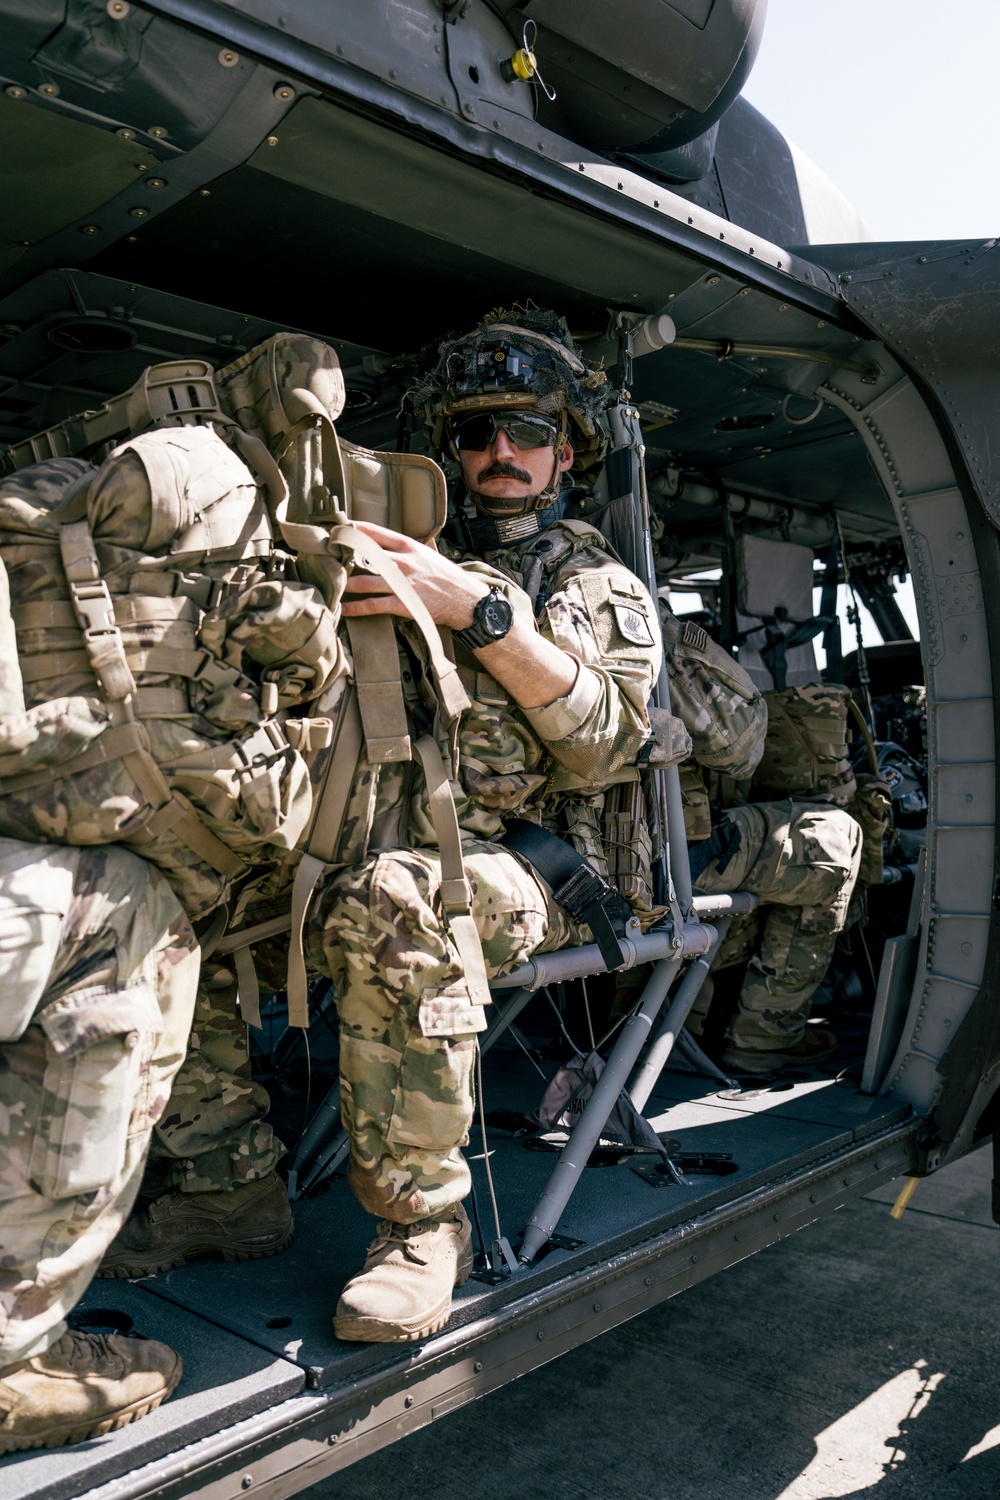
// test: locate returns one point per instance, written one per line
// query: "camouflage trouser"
(802, 860)
(212, 1136)
(98, 968)
(407, 1021)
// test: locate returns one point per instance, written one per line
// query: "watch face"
(495, 615)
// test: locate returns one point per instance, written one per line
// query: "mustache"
(502, 468)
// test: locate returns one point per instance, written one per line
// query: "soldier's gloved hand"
(449, 592)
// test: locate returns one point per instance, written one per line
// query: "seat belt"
(575, 884)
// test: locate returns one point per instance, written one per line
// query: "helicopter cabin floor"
(258, 1334)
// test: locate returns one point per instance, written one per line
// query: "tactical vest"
(806, 750)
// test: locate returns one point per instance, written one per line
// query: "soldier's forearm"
(533, 670)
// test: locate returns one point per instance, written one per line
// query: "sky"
(897, 101)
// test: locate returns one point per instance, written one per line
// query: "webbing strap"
(95, 613)
(322, 846)
(243, 937)
(331, 801)
(161, 661)
(368, 554)
(247, 986)
(267, 742)
(45, 664)
(380, 690)
(180, 818)
(113, 744)
(46, 614)
(308, 875)
(456, 894)
(260, 461)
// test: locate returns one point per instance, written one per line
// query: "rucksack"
(184, 595)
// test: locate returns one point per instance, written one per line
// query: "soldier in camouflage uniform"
(800, 857)
(557, 644)
(98, 966)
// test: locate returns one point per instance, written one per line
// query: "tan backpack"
(155, 595)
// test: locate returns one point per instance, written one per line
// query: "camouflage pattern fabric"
(207, 647)
(589, 605)
(211, 1137)
(407, 1021)
(547, 763)
(99, 967)
(802, 860)
(720, 707)
(806, 750)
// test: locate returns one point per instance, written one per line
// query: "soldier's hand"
(448, 591)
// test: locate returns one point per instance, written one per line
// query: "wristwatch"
(491, 620)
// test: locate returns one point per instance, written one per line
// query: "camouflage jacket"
(550, 764)
(722, 711)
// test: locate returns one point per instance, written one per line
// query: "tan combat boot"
(410, 1272)
(245, 1224)
(85, 1385)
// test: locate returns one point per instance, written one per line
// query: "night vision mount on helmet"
(518, 361)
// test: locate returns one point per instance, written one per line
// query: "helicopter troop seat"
(774, 610)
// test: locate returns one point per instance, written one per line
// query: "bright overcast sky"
(897, 101)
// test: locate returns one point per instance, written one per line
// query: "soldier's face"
(508, 476)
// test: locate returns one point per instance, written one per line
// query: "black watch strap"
(491, 621)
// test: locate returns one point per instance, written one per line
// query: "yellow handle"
(908, 1190)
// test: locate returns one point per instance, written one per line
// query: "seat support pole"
(587, 1131)
(663, 1043)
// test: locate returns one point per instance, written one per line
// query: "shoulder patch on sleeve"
(633, 624)
(619, 610)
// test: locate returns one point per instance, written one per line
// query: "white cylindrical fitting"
(652, 333)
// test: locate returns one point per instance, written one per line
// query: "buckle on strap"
(581, 890)
(94, 606)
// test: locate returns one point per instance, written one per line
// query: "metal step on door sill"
(292, 1446)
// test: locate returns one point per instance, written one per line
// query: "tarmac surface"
(858, 1357)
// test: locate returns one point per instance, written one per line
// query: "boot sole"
(58, 1437)
(371, 1331)
(129, 1270)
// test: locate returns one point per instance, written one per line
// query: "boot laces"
(389, 1232)
(86, 1351)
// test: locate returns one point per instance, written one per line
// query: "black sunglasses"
(524, 430)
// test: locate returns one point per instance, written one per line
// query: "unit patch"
(633, 624)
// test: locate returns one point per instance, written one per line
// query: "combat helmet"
(519, 360)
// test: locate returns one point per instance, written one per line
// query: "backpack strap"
(380, 690)
(322, 845)
(366, 553)
(456, 892)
